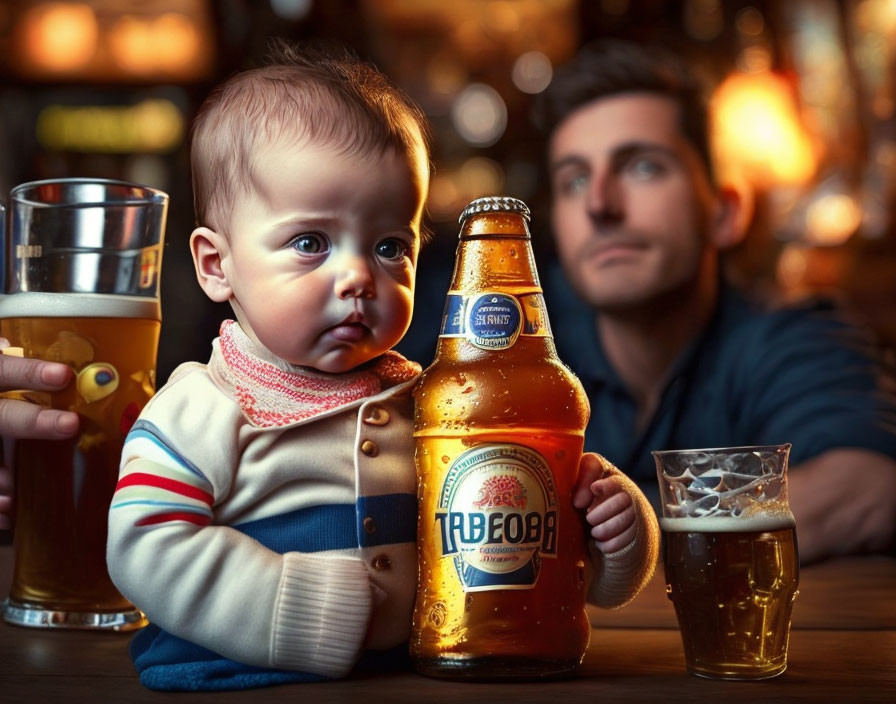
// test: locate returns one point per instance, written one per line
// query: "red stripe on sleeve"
(182, 488)
(196, 518)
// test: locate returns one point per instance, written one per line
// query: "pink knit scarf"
(271, 396)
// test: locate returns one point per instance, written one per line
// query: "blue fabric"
(395, 518)
(168, 663)
(753, 377)
(310, 529)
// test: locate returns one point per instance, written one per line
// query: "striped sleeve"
(157, 484)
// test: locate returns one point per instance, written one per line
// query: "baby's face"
(323, 254)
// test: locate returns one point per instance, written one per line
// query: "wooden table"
(843, 648)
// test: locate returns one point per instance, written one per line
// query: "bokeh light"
(757, 131)
(292, 10)
(479, 115)
(832, 219)
(169, 43)
(60, 37)
(532, 72)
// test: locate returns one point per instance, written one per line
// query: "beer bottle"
(499, 429)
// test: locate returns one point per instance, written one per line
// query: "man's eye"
(309, 244)
(392, 248)
(646, 168)
(573, 184)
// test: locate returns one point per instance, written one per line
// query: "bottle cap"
(495, 204)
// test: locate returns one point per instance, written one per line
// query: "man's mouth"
(606, 252)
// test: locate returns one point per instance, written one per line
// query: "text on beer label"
(494, 320)
(497, 517)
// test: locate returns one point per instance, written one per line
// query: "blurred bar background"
(802, 105)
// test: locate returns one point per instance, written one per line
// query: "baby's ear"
(210, 249)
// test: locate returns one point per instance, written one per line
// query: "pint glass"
(730, 557)
(81, 288)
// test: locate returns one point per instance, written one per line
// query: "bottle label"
(493, 320)
(497, 517)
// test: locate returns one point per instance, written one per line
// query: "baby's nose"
(355, 281)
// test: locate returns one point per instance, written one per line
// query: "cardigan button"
(376, 415)
(369, 448)
(369, 525)
(381, 562)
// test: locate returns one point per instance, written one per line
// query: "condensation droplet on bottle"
(445, 459)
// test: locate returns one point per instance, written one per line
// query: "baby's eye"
(310, 243)
(392, 248)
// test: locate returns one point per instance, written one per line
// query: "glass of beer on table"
(730, 557)
(81, 287)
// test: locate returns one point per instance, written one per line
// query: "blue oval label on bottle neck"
(493, 321)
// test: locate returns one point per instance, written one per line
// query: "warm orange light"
(757, 131)
(832, 219)
(792, 266)
(169, 43)
(60, 37)
(176, 41)
(131, 43)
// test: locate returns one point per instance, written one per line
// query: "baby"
(265, 515)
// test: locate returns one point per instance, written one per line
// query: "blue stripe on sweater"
(394, 519)
(338, 526)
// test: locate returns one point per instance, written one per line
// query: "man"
(670, 355)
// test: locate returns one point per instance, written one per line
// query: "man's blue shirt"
(752, 377)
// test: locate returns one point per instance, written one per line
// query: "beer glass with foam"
(730, 557)
(81, 287)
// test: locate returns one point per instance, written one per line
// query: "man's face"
(631, 202)
(323, 254)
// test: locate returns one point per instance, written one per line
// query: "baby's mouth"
(351, 329)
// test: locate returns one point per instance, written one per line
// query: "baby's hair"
(299, 95)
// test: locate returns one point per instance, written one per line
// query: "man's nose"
(354, 279)
(605, 203)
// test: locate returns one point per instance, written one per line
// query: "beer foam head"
(39, 304)
(727, 524)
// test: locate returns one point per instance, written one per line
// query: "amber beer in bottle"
(499, 428)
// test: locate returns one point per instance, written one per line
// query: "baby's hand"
(609, 507)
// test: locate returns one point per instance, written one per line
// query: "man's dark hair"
(609, 67)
